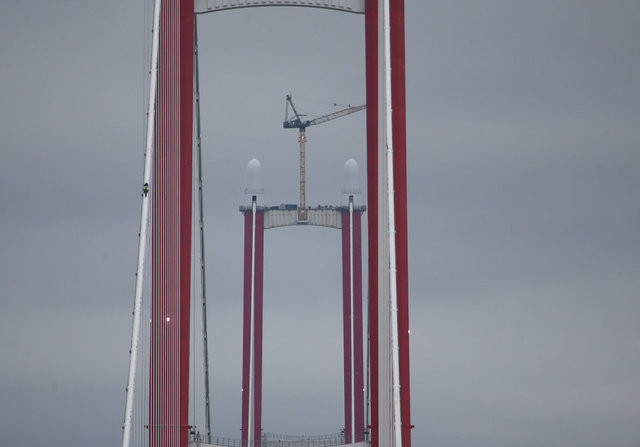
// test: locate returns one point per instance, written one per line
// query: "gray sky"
(523, 127)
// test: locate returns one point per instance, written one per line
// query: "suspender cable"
(144, 224)
(393, 288)
(205, 348)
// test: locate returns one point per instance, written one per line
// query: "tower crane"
(298, 122)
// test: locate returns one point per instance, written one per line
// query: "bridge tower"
(345, 218)
(167, 182)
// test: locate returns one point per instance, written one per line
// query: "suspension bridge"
(379, 417)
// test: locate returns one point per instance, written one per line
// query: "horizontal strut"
(353, 6)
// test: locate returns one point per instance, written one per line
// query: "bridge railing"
(272, 440)
(331, 437)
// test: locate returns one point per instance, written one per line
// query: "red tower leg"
(171, 220)
(186, 171)
(249, 264)
(398, 95)
(356, 314)
(346, 324)
(371, 53)
(246, 325)
(357, 327)
(258, 327)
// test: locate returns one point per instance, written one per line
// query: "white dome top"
(351, 178)
(254, 178)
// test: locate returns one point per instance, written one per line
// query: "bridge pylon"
(169, 170)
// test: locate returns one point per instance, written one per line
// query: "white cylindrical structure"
(351, 182)
(254, 181)
(393, 288)
(144, 224)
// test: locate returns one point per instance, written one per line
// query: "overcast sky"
(523, 127)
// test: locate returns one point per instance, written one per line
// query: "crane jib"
(296, 121)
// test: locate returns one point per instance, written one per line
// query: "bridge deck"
(228, 442)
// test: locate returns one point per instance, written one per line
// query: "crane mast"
(297, 122)
(302, 206)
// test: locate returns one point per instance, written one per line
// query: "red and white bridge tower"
(167, 183)
(345, 218)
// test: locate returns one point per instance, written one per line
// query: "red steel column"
(164, 286)
(258, 328)
(371, 53)
(346, 324)
(246, 325)
(400, 187)
(186, 181)
(357, 326)
(398, 95)
(171, 235)
(356, 314)
(257, 325)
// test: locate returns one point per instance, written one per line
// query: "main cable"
(144, 223)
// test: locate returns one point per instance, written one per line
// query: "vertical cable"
(144, 223)
(393, 292)
(173, 228)
(175, 279)
(205, 343)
